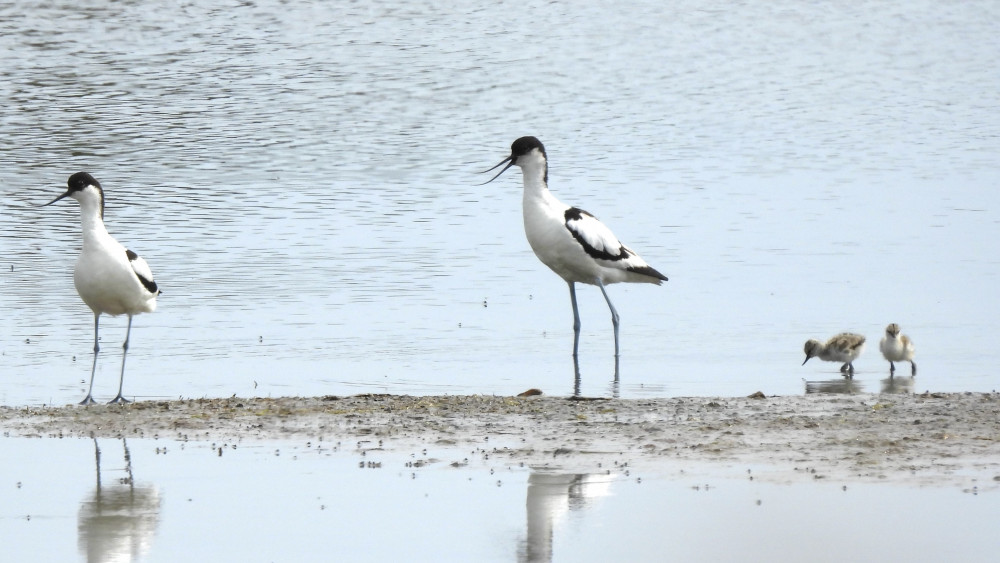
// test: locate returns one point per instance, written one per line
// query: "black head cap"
(79, 181)
(519, 148)
(524, 145)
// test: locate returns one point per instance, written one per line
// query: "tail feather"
(651, 272)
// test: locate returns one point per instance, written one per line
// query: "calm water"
(149, 500)
(302, 179)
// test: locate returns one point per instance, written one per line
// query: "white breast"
(106, 282)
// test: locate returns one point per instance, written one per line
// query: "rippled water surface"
(302, 178)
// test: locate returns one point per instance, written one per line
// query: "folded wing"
(142, 271)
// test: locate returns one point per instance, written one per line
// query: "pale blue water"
(302, 179)
(317, 501)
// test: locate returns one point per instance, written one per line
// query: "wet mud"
(931, 438)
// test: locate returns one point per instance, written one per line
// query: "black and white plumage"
(570, 241)
(109, 278)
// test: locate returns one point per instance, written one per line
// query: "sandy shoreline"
(937, 438)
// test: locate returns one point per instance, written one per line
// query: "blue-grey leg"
(614, 313)
(89, 400)
(121, 380)
(576, 319)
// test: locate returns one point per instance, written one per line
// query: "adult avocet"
(570, 241)
(109, 278)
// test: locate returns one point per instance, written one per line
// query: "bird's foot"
(88, 400)
(120, 400)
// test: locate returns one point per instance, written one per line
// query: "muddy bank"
(928, 438)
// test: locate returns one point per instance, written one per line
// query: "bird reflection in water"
(550, 497)
(897, 385)
(118, 521)
(614, 387)
(840, 385)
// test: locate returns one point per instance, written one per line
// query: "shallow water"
(302, 180)
(120, 500)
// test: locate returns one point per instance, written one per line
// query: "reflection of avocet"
(119, 521)
(550, 497)
(897, 385)
(847, 386)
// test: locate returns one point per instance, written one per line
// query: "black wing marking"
(596, 239)
(600, 243)
(142, 271)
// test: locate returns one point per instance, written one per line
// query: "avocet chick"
(845, 347)
(897, 347)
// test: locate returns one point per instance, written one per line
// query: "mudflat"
(930, 438)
